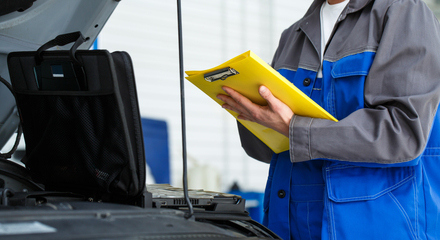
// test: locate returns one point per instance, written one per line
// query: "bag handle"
(62, 40)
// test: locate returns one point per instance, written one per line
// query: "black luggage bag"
(81, 121)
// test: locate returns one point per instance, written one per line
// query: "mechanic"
(375, 66)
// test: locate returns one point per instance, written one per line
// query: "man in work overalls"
(375, 174)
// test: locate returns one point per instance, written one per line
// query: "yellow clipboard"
(245, 74)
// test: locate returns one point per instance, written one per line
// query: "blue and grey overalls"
(375, 174)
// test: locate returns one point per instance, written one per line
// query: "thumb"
(273, 102)
(266, 94)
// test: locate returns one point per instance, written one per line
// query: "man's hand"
(276, 115)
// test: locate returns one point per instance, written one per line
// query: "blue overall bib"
(329, 199)
(295, 191)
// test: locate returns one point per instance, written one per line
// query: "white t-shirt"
(329, 16)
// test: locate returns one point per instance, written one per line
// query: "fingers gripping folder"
(246, 73)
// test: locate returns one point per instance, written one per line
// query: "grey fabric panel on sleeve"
(253, 146)
(402, 90)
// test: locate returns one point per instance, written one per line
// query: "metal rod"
(182, 109)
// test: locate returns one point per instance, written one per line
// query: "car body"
(28, 211)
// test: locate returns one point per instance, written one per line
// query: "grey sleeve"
(402, 93)
(253, 146)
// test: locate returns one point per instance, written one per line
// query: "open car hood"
(25, 25)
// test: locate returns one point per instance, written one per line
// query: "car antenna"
(182, 109)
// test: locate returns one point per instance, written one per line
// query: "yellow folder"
(245, 74)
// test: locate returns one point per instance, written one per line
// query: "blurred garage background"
(213, 32)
